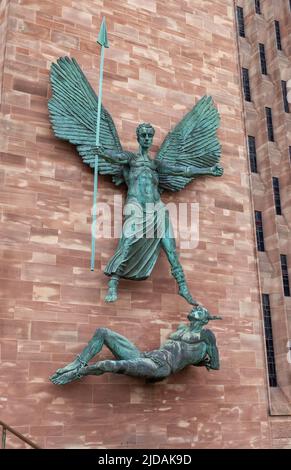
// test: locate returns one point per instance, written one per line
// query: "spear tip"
(102, 36)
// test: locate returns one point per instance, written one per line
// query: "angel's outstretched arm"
(189, 171)
(114, 157)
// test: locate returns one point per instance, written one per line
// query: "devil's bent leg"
(134, 367)
(120, 346)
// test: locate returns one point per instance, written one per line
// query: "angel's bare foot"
(111, 296)
(112, 291)
(184, 292)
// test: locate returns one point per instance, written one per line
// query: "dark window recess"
(252, 153)
(276, 189)
(269, 341)
(246, 84)
(290, 4)
(263, 59)
(270, 124)
(278, 35)
(259, 231)
(285, 277)
(290, 147)
(284, 94)
(258, 6)
(240, 21)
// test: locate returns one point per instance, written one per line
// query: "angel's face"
(145, 137)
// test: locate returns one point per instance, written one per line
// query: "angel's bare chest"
(143, 173)
(141, 165)
(143, 180)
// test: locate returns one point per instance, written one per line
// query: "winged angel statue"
(190, 150)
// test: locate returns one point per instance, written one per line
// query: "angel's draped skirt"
(139, 246)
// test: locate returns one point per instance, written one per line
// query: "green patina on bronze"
(103, 41)
(190, 150)
(190, 344)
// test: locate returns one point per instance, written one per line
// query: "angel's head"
(145, 134)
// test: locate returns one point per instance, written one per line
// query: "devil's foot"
(65, 377)
(73, 365)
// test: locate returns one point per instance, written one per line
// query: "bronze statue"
(190, 344)
(190, 150)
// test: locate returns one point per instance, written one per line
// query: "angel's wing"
(73, 113)
(192, 142)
